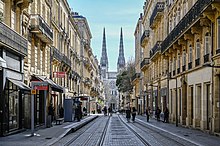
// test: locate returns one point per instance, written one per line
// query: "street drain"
(48, 138)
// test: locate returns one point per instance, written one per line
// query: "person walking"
(148, 114)
(133, 113)
(158, 111)
(128, 114)
(166, 115)
(110, 111)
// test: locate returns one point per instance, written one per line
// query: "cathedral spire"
(121, 58)
(104, 57)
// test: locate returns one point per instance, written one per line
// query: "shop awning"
(54, 86)
(20, 84)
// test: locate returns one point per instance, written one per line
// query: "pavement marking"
(170, 133)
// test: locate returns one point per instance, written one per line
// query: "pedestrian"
(128, 114)
(84, 111)
(158, 111)
(105, 111)
(148, 114)
(61, 111)
(133, 113)
(110, 111)
(166, 115)
(77, 113)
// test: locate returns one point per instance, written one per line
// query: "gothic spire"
(121, 58)
(104, 57)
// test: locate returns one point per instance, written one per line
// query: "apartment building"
(180, 44)
(42, 41)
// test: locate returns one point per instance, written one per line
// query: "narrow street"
(116, 131)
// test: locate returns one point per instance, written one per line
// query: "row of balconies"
(40, 27)
(156, 49)
(13, 40)
(189, 19)
(61, 57)
(157, 13)
(145, 36)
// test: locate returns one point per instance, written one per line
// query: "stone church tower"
(110, 77)
(121, 58)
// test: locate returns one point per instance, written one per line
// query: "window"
(178, 15)
(190, 53)
(178, 63)
(170, 65)
(170, 25)
(198, 49)
(184, 58)
(207, 44)
(174, 63)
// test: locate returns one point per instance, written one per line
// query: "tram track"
(91, 134)
(145, 142)
(159, 136)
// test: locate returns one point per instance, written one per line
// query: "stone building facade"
(44, 41)
(180, 41)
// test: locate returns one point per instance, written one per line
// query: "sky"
(111, 14)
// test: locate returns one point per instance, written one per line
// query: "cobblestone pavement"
(89, 135)
(119, 135)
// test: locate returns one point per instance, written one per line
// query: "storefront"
(14, 95)
(51, 99)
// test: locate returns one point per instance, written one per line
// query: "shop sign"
(41, 87)
(59, 74)
(33, 91)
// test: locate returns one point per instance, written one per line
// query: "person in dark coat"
(61, 111)
(105, 111)
(133, 113)
(77, 113)
(148, 114)
(166, 115)
(128, 114)
(158, 111)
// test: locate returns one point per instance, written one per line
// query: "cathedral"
(109, 78)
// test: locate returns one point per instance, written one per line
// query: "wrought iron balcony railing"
(156, 12)
(206, 58)
(66, 60)
(189, 19)
(57, 54)
(183, 68)
(145, 62)
(145, 36)
(155, 49)
(135, 76)
(189, 65)
(41, 28)
(197, 62)
(178, 70)
(13, 40)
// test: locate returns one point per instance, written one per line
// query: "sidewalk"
(45, 136)
(195, 136)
